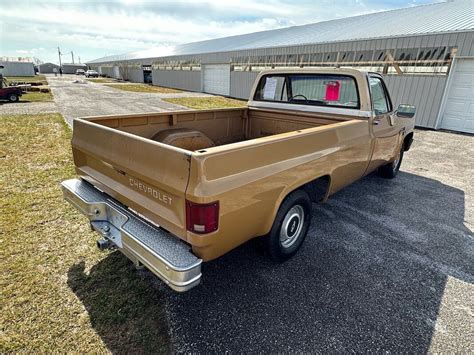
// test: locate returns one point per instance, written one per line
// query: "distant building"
(47, 68)
(71, 68)
(17, 66)
(426, 53)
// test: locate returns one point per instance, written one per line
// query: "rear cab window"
(309, 89)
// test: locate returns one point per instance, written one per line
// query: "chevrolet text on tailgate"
(170, 190)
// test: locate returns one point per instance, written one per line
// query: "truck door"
(384, 129)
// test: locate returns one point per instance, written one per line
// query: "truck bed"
(222, 126)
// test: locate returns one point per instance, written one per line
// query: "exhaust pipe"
(104, 244)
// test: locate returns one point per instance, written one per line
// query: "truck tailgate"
(144, 175)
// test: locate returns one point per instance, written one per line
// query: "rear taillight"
(202, 218)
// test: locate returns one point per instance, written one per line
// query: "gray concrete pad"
(84, 98)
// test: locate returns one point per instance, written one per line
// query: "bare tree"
(124, 71)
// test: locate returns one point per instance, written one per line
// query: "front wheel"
(390, 170)
(13, 97)
(290, 226)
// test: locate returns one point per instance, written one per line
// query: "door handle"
(376, 122)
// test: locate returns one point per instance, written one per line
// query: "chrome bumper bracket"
(164, 254)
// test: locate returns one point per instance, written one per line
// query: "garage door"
(116, 72)
(458, 113)
(216, 79)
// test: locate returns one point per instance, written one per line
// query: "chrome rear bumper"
(162, 253)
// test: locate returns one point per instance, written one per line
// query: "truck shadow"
(124, 308)
(370, 277)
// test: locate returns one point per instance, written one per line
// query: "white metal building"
(14, 68)
(70, 68)
(426, 53)
(48, 68)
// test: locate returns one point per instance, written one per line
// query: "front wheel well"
(407, 141)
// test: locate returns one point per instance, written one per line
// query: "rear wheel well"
(318, 189)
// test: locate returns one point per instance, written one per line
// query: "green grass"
(201, 103)
(28, 79)
(58, 292)
(143, 88)
(35, 96)
(102, 80)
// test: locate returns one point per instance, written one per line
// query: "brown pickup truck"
(173, 189)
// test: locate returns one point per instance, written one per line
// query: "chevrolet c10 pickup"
(173, 189)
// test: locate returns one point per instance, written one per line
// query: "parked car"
(92, 74)
(173, 189)
(80, 72)
(11, 93)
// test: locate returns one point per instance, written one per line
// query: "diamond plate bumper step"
(162, 253)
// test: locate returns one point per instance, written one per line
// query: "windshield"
(309, 89)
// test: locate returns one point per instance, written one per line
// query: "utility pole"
(72, 56)
(59, 54)
(79, 60)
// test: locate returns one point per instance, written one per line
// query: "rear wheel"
(390, 170)
(290, 226)
(13, 97)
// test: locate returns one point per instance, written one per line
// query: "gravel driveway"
(27, 108)
(86, 98)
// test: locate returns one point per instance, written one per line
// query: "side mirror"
(407, 111)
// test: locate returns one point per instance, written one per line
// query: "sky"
(93, 29)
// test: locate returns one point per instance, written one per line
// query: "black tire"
(13, 98)
(290, 227)
(390, 170)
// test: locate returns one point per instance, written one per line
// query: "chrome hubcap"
(292, 226)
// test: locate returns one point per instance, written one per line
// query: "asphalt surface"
(388, 265)
(77, 97)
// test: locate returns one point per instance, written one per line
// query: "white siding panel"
(242, 83)
(177, 79)
(135, 75)
(423, 91)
